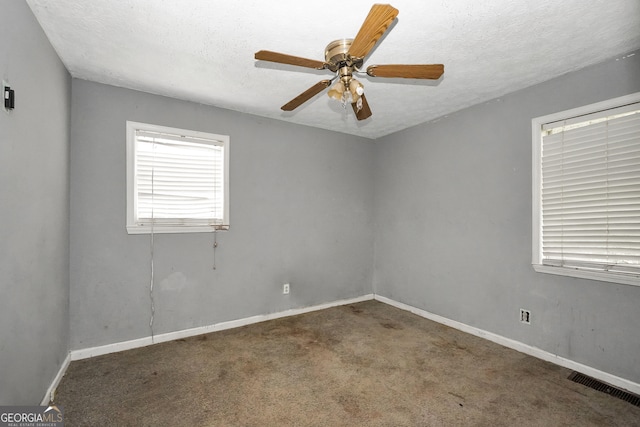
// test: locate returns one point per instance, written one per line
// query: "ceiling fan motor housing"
(337, 56)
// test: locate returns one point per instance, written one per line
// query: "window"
(177, 180)
(586, 191)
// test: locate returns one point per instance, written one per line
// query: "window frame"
(133, 225)
(536, 128)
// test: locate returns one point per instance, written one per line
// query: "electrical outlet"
(285, 288)
(525, 316)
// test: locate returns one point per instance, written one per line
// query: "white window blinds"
(590, 192)
(177, 180)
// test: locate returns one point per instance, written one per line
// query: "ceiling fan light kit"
(344, 57)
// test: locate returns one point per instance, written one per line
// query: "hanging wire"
(153, 307)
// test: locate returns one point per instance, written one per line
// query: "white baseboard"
(185, 333)
(49, 396)
(498, 339)
(519, 346)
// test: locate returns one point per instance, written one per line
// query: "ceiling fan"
(345, 57)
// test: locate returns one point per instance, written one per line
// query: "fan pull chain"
(215, 245)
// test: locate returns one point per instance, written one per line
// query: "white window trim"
(132, 226)
(536, 129)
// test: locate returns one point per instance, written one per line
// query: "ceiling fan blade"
(364, 112)
(433, 71)
(374, 26)
(281, 58)
(306, 95)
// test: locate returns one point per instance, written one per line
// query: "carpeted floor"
(367, 364)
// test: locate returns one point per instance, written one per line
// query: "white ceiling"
(202, 50)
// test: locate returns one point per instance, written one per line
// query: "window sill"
(591, 275)
(138, 229)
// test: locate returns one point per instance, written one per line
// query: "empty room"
(424, 213)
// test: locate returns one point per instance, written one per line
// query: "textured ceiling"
(202, 50)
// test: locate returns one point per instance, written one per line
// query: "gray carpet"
(366, 364)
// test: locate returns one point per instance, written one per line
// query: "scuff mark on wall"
(174, 282)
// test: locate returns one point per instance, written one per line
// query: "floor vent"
(579, 378)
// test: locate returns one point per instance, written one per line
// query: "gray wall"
(301, 202)
(34, 210)
(452, 204)
(453, 214)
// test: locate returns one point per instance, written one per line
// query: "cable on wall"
(153, 307)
